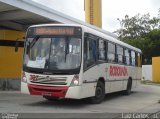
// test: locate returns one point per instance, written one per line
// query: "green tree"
(141, 32)
(154, 37)
(137, 26)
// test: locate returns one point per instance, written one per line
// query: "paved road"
(143, 99)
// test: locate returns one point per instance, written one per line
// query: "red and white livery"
(75, 61)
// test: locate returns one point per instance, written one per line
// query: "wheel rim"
(99, 92)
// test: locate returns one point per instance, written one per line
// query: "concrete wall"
(147, 72)
(10, 84)
(10, 61)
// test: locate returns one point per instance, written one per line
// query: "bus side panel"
(103, 71)
(115, 86)
(133, 75)
(139, 76)
(125, 84)
(90, 78)
(116, 77)
(88, 89)
(74, 92)
(83, 91)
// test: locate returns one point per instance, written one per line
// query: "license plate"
(46, 94)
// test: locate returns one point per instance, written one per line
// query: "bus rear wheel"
(99, 93)
(129, 87)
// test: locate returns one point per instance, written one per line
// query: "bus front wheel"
(99, 93)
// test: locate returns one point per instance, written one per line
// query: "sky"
(111, 9)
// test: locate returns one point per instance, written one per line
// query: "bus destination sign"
(54, 31)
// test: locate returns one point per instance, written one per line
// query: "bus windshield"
(53, 53)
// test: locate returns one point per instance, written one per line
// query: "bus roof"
(98, 32)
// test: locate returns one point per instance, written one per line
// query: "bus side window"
(133, 58)
(101, 49)
(111, 52)
(130, 57)
(90, 54)
(127, 57)
(119, 54)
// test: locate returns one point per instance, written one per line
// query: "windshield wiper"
(31, 44)
(34, 41)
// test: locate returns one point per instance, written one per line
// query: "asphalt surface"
(143, 102)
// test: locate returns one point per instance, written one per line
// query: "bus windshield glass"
(53, 53)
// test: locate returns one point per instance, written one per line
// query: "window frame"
(118, 54)
(104, 48)
(107, 52)
(110, 52)
(87, 37)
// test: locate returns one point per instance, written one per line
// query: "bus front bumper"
(53, 91)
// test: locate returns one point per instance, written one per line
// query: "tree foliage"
(137, 26)
(141, 32)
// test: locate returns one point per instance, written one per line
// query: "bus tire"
(129, 87)
(99, 93)
(49, 98)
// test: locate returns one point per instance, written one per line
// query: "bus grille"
(51, 80)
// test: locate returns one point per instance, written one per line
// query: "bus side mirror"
(16, 45)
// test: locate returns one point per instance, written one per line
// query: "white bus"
(75, 62)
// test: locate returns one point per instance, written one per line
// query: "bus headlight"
(24, 78)
(75, 80)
